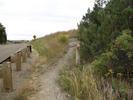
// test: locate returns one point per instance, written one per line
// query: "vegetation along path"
(50, 89)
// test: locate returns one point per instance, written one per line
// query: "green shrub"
(120, 56)
(62, 38)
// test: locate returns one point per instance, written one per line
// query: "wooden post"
(24, 55)
(7, 77)
(20, 53)
(77, 54)
(1, 72)
(28, 51)
(13, 58)
(30, 48)
(18, 61)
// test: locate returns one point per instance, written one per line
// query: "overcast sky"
(25, 18)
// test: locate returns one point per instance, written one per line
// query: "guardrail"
(6, 68)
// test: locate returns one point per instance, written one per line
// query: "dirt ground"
(48, 87)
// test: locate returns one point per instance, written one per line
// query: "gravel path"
(50, 89)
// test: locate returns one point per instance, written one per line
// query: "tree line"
(3, 35)
(106, 36)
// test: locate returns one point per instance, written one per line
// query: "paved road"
(7, 50)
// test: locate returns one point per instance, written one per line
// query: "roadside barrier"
(24, 55)
(7, 77)
(6, 68)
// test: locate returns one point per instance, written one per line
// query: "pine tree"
(101, 26)
(3, 36)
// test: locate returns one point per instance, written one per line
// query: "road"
(8, 49)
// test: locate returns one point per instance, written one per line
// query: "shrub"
(120, 56)
(62, 38)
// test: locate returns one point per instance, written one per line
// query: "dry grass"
(49, 48)
(31, 70)
(84, 82)
(26, 87)
(80, 81)
(81, 84)
(24, 91)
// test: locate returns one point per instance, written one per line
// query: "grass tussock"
(80, 81)
(24, 91)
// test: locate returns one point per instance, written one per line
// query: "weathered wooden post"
(7, 77)
(13, 58)
(77, 54)
(1, 72)
(18, 61)
(28, 51)
(24, 55)
(20, 53)
(16, 58)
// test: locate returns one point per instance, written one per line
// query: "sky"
(25, 18)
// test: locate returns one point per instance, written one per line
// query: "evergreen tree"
(3, 36)
(101, 26)
(106, 34)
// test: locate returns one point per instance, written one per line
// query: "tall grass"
(80, 81)
(84, 82)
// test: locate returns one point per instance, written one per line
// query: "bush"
(120, 56)
(62, 38)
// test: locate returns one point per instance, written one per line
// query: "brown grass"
(24, 91)
(31, 70)
(80, 81)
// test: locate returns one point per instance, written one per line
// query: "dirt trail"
(50, 89)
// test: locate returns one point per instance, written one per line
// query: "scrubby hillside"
(49, 48)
